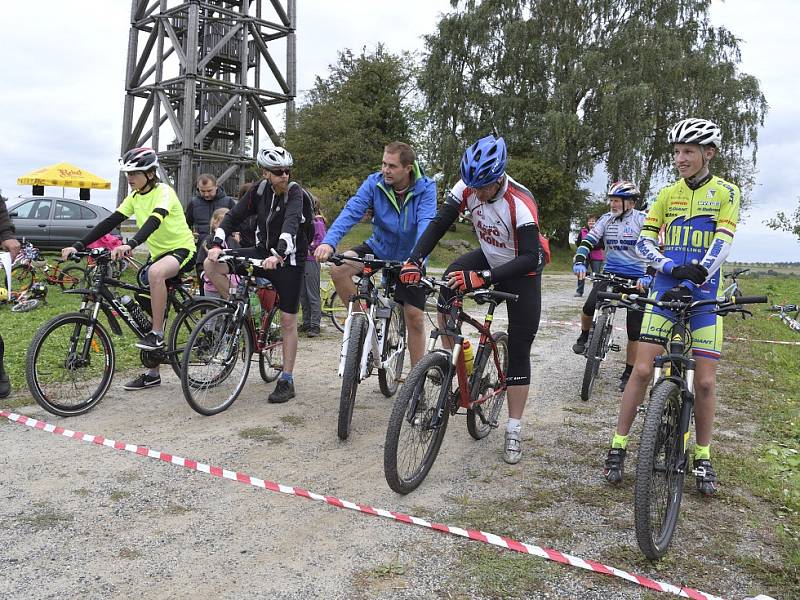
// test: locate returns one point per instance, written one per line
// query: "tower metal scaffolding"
(200, 75)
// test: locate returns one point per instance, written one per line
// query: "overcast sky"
(63, 71)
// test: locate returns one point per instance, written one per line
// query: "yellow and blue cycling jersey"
(699, 225)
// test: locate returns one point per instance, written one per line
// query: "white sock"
(153, 372)
(514, 425)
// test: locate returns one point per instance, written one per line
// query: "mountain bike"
(423, 407)
(374, 335)
(601, 333)
(783, 311)
(331, 306)
(71, 359)
(30, 267)
(733, 288)
(663, 458)
(217, 359)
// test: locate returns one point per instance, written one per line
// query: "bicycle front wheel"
(393, 351)
(659, 474)
(412, 442)
(594, 356)
(216, 361)
(352, 365)
(489, 391)
(182, 326)
(67, 373)
(71, 277)
(270, 358)
(336, 311)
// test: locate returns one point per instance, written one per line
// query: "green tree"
(574, 84)
(365, 102)
(784, 222)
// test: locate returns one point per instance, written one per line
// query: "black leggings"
(633, 322)
(2, 354)
(523, 315)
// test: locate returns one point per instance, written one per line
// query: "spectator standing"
(310, 300)
(201, 207)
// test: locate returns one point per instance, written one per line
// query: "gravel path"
(83, 521)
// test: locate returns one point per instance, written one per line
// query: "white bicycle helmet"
(138, 159)
(695, 131)
(274, 158)
(624, 189)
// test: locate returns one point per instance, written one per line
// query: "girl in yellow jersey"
(161, 221)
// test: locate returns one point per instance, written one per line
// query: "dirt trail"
(83, 521)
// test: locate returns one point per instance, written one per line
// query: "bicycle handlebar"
(736, 273)
(432, 283)
(368, 260)
(680, 305)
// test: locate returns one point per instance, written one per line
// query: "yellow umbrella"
(64, 175)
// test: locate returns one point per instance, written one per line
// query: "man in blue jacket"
(403, 202)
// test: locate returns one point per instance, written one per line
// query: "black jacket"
(199, 211)
(278, 218)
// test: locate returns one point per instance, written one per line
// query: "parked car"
(54, 223)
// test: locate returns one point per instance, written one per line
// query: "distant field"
(760, 269)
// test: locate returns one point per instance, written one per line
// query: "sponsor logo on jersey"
(683, 236)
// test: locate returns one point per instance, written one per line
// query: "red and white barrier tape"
(480, 536)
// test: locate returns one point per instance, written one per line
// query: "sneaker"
(579, 347)
(313, 331)
(5, 386)
(283, 392)
(143, 381)
(578, 295)
(151, 342)
(623, 380)
(302, 328)
(513, 450)
(615, 465)
(705, 477)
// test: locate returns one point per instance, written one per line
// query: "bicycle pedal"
(614, 347)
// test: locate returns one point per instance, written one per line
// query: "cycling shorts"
(287, 280)
(705, 326)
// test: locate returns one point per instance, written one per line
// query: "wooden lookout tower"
(201, 75)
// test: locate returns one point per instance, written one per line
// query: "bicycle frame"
(467, 396)
(783, 314)
(100, 297)
(378, 307)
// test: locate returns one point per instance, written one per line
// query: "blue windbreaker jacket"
(395, 228)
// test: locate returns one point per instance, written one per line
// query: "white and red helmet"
(695, 131)
(138, 159)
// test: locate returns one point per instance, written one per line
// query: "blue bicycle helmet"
(484, 162)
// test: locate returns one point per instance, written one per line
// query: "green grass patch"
(262, 434)
(292, 419)
(764, 381)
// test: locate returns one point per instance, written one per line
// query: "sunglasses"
(279, 172)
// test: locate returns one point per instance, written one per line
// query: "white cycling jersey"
(496, 222)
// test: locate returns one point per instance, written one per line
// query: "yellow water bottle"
(469, 356)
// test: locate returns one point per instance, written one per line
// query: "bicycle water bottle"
(469, 356)
(137, 313)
